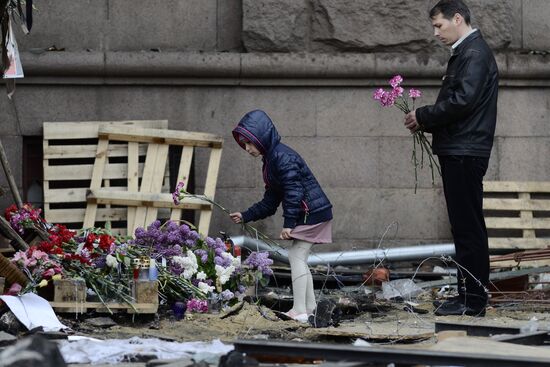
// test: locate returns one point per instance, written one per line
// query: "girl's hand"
(285, 234)
(236, 217)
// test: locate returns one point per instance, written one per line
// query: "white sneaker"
(300, 317)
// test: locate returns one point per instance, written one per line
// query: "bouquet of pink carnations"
(395, 97)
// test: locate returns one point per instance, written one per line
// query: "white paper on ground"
(33, 311)
(118, 350)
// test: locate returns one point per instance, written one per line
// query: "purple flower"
(227, 295)
(259, 261)
(197, 305)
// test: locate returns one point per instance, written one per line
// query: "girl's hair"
(243, 140)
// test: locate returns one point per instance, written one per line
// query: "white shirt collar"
(457, 43)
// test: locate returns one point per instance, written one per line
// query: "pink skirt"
(314, 233)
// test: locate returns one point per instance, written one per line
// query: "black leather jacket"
(462, 120)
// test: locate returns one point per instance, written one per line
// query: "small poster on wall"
(16, 69)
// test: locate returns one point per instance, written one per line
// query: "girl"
(307, 211)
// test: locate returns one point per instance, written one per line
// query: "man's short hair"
(448, 8)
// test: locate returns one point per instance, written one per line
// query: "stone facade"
(312, 65)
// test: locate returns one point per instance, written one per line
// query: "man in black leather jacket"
(462, 122)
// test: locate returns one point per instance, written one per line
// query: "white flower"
(235, 260)
(223, 274)
(188, 263)
(201, 275)
(111, 261)
(205, 288)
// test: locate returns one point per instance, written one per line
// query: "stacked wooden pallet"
(517, 215)
(116, 174)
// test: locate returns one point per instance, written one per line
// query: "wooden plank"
(158, 179)
(210, 188)
(89, 129)
(146, 182)
(517, 223)
(77, 215)
(522, 264)
(111, 171)
(183, 175)
(144, 199)
(518, 243)
(526, 215)
(516, 186)
(85, 151)
(72, 195)
(82, 307)
(133, 179)
(97, 176)
(516, 204)
(158, 136)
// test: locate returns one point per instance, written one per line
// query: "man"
(462, 122)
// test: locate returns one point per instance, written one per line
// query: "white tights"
(302, 281)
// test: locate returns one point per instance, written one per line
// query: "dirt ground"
(394, 325)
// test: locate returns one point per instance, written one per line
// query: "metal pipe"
(354, 257)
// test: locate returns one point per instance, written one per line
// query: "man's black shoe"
(458, 309)
(438, 303)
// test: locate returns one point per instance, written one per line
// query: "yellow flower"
(42, 283)
(57, 277)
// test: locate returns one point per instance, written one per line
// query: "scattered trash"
(400, 288)
(119, 350)
(34, 351)
(376, 276)
(531, 326)
(33, 311)
(326, 314)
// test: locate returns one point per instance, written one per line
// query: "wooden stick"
(9, 176)
(21, 245)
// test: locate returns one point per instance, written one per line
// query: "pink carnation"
(396, 81)
(378, 94)
(415, 93)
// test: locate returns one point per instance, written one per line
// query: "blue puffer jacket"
(287, 177)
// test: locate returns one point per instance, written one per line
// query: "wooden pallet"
(69, 150)
(70, 296)
(144, 197)
(517, 215)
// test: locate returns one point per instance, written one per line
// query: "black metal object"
(534, 338)
(331, 352)
(475, 329)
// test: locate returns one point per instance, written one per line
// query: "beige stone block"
(523, 112)
(230, 14)
(348, 112)
(524, 159)
(70, 24)
(340, 162)
(162, 24)
(536, 28)
(408, 215)
(275, 25)
(397, 168)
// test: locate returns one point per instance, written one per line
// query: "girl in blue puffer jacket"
(307, 211)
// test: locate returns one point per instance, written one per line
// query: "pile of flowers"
(190, 267)
(208, 263)
(26, 217)
(395, 97)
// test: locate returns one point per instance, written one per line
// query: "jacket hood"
(257, 127)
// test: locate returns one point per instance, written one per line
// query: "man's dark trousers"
(463, 187)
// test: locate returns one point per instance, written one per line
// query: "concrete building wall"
(312, 65)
